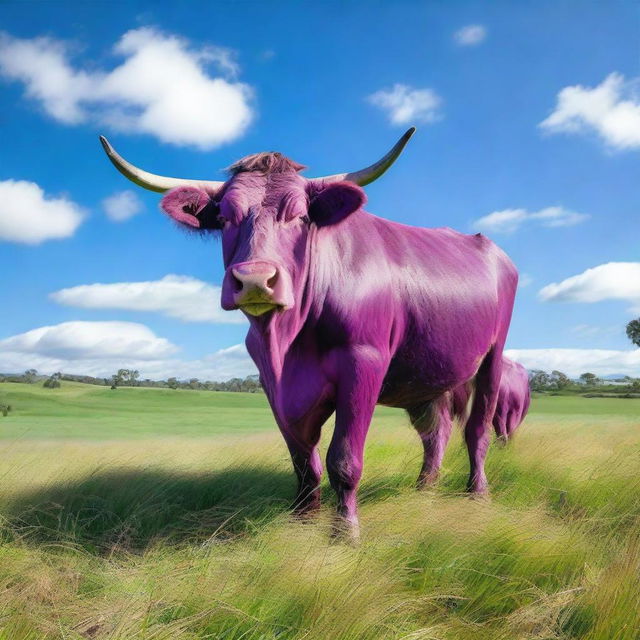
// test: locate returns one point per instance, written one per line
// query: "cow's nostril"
(271, 282)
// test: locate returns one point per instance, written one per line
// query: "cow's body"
(395, 315)
(348, 310)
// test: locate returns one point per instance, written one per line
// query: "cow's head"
(265, 213)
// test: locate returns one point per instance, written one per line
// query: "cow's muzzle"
(255, 287)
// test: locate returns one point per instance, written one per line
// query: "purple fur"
(513, 402)
(514, 398)
(362, 312)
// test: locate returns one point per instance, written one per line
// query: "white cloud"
(510, 220)
(610, 281)
(405, 105)
(612, 110)
(28, 216)
(181, 297)
(470, 35)
(99, 354)
(90, 340)
(122, 205)
(162, 87)
(573, 362)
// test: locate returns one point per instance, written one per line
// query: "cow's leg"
(478, 428)
(359, 379)
(500, 425)
(302, 439)
(432, 421)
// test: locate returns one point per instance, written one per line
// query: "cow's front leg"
(359, 379)
(302, 438)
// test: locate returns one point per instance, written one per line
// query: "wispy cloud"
(122, 205)
(611, 110)
(182, 297)
(510, 220)
(470, 35)
(609, 281)
(29, 216)
(162, 88)
(404, 104)
(524, 280)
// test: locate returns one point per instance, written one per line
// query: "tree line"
(131, 378)
(542, 381)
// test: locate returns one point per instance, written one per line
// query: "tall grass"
(190, 538)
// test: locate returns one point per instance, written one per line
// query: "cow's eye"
(305, 219)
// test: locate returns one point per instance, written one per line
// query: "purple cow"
(348, 310)
(514, 398)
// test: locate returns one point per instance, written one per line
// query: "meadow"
(160, 514)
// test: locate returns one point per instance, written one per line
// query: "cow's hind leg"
(432, 421)
(500, 425)
(477, 431)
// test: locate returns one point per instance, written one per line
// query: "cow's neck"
(273, 338)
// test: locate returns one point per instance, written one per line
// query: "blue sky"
(528, 120)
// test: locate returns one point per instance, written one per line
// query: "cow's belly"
(418, 375)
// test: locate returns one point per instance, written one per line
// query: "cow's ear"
(335, 202)
(192, 207)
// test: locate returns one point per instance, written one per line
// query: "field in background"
(161, 514)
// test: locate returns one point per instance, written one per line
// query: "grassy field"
(161, 514)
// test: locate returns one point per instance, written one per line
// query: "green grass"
(157, 514)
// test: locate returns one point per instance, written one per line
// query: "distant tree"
(30, 376)
(539, 380)
(117, 379)
(589, 379)
(172, 383)
(560, 380)
(633, 332)
(53, 381)
(134, 374)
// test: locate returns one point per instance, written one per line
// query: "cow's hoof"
(346, 531)
(479, 494)
(427, 480)
(306, 507)
(502, 440)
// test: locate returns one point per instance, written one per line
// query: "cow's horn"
(368, 175)
(149, 180)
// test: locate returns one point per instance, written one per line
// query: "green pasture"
(141, 514)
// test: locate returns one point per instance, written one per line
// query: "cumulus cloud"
(610, 281)
(122, 205)
(470, 35)
(28, 216)
(90, 340)
(510, 220)
(611, 110)
(101, 348)
(182, 297)
(162, 88)
(404, 105)
(573, 362)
